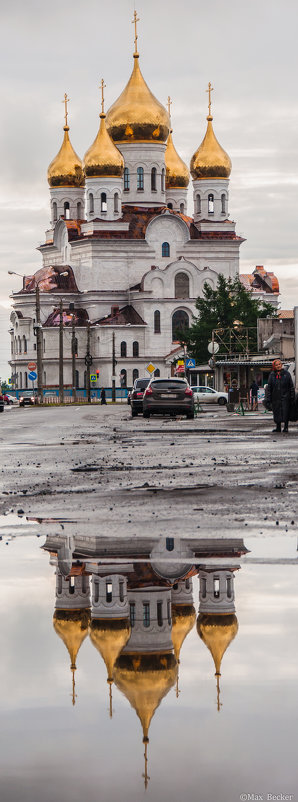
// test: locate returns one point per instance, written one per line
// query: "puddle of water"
(158, 627)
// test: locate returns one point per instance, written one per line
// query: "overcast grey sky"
(247, 50)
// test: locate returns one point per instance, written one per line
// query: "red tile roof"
(122, 317)
(81, 318)
(286, 314)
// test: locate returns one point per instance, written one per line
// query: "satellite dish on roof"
(213, 348)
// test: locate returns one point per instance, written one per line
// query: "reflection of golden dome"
(217, 632)
(103, 158)
(72, 628)
(145, 679)
(177, 174)
(210, 160)
(66, 168)
(183, 617)
(109, 638)
(137, 115)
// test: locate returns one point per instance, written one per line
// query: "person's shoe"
(277, 429)
(285, 430)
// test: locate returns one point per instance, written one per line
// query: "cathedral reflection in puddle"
(134, 600)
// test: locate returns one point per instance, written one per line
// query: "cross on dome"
(65, 101)
(209, 90)
(135, 20)
(102, 88)
(169, 106)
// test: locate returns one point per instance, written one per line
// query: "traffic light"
(97, 373)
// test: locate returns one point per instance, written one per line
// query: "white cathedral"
(121, 250)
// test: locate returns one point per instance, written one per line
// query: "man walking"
(280, 394)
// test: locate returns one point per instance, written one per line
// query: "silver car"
(206, 395)
(168, 396)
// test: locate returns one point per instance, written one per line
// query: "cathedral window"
(229, 587)
(203, 587)
(79, 211)
(216, 587)
(198, 204)
(223, 204)
(182, 208)
(96, 592)
(165, 249)
(135, 348)
(91, 203)
(153, 179)
(116, 203)
(210, 204)
(146, 614)
(59, 590)
(126, 179)
(157, 373)
(180, 321)
(103, 202)
(181, 285)
(135, 374)
(169, 612)
(170, 544)
(20, 345)
(170, 205)
(157, 321)
(66, 210)
(159, 614)
(132, 614)
(44, 377)
(121, 590)
(109, 591)
(163, 180)
(55, 211)
(140, 178)
(123, 349)
(85, 584)
(123, 378)
(24, 344)
(71, 585)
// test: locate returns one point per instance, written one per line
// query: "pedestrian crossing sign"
(93, 377)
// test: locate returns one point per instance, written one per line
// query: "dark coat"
(103, 396)
(281, 395)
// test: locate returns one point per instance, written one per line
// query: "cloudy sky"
(247, 50)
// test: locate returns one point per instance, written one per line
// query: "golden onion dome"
(66, 168)
(103, 158)
(72, 628)
(177, 173)
(210, 160)
(137, 116)
(109, 638)
(183, 619)
(145, 679)
(217, 631)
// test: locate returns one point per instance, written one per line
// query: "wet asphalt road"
(107, 473)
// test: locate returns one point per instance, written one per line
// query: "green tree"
(226, 307)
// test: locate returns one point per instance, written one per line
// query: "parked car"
(206, 395)
(1, 403)
(168, 396)
(136, 396)
(27, 400)
(10, 399)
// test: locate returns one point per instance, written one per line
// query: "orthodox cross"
(65, 101)
(169, 106)
(209, 90)
(102, 87)
(135, 20)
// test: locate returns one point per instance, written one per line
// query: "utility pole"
(61, 384)
(38, 332)
(73, 353)
(114, 369)
(88, 363)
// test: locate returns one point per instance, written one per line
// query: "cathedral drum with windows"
(132, 258)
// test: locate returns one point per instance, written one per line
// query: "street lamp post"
(61, 383)
(114, 369)
(73, 352)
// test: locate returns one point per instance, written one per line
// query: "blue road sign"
(190, 363)
(32, 376)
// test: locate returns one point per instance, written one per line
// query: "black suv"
(136, 396)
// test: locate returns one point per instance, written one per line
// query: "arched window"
(146, 614)
(126, 179)
(20, 345)
(157, 321)
(24, 344)
(123, 378)
(165, 249)
(223, 204)
(91, 203)
(135, 348)
(170, 205)
(159, 614)
(79, 210)
(54, 211)
(103, 202)
(203, 587)
(66, 210)
(157, 372)
(140, 178)
(181, 285)
(153, 179)
(135, 374)
(182, 208)
(198, 204)
(116, 203)
(180, 321)
(15, 345)
(210, 204)
(123, 349)
(163, 180)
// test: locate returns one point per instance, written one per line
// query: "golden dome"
(103, 158)
(210, 160)
(177, 174)
(109, 638)
(66, 168)
(217, 632)
(137, 116)
(72, 628)
(183, 618)
(145, 679)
